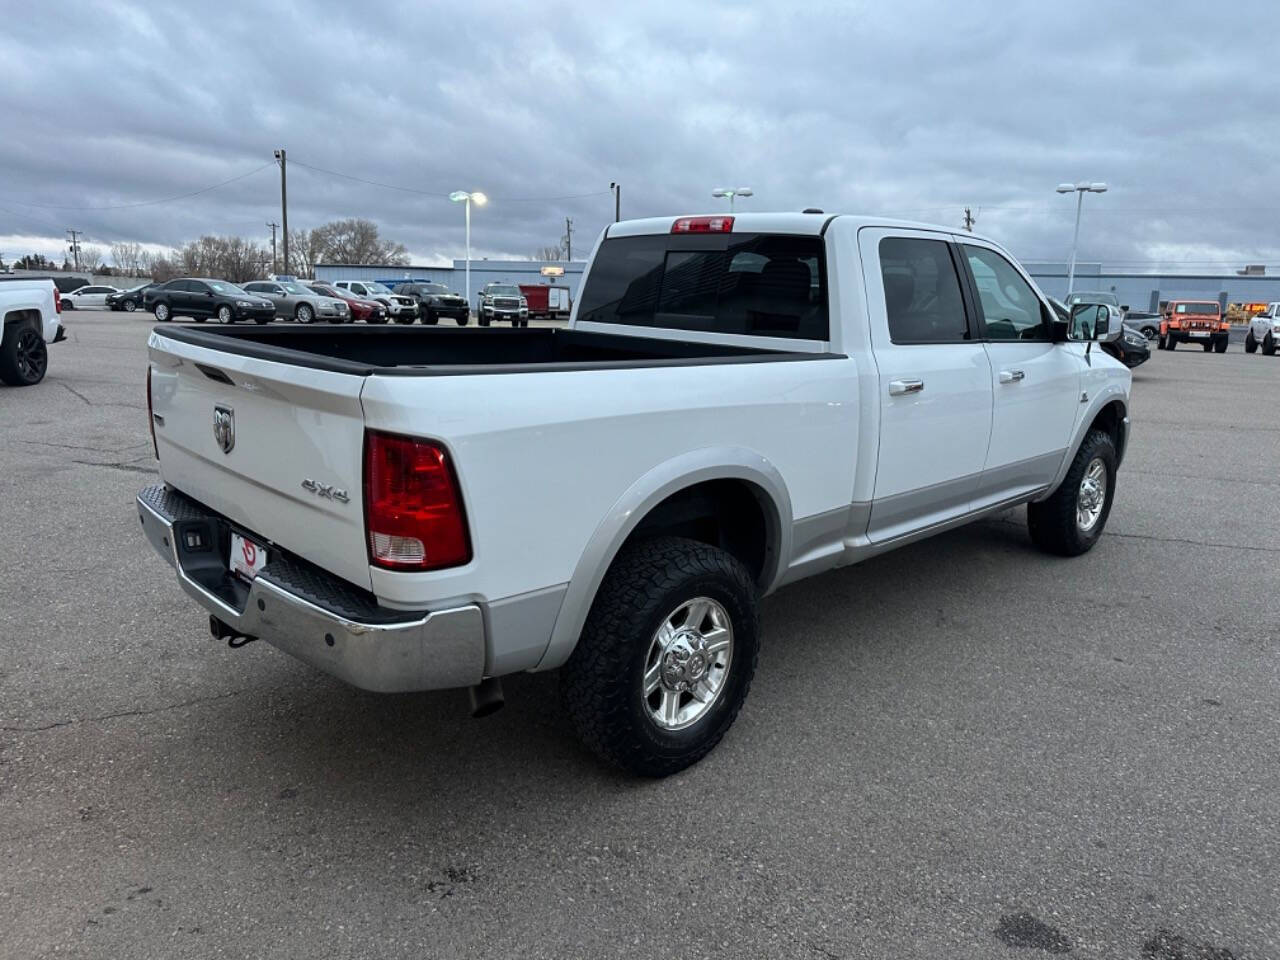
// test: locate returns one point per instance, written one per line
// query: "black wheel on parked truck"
(430, 319)
(484, 321)
(1208, 346)
(1172, 344)
(1250, 344)
(666, 656)
(1071, 520)
(23, 354)
(1220, 345)
(1269, 345)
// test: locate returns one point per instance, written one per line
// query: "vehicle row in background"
(1264, 331)
(400, 308)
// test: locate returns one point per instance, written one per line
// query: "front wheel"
(1269, 345)
(1220, 345)
(1208, 347)
(666, 657)
(23, 355)
(305, 314)
(484, 321)
(1071, 520)
(430, 319)
(162, 312)
(461, 321)
(1250, 344)
(130, 306)
(225, 315)
(1173, 344)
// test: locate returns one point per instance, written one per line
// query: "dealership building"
(1147, 291)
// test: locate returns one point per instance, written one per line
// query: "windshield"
(434, 288)
(500, 290)
(1197, 308)
(221, 286)
(1107, 298)
(376, 287)
(296, 288)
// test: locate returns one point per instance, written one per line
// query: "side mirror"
(1089, 321)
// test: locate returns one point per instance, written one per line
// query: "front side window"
(1010, 308)
(764, 285)
(921, 291)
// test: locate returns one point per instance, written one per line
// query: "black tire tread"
(1052, 522)
(593, 683)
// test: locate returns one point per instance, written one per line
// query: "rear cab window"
(760, 285)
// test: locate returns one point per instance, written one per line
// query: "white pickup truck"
(31, 308)
(737, 403)
(1264, 331)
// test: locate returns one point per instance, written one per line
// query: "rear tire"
(24, 358)
(1056, 524)
(1150, 332)
(616, 672)
(1250, 344)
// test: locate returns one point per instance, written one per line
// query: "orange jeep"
(1194, 321)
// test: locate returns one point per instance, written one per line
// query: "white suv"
(1264, 331)
(400, 308)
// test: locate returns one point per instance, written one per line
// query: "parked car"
(1124, 343)
(1264, 331)
(89, 296)
(201, 298)
(1148, 323)
(128, 300)
(30, 307)
(295, 300)
(768, 396)
(399, 308)
(502, 301)
(370, 311)
(1194, 321)
(435, 300)
(1096, 296)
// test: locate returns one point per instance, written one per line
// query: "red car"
(370, 311)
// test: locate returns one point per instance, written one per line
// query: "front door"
(934, 382)
(1035, 382)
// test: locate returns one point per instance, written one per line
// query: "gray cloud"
(910, 109)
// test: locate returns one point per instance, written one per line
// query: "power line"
(140, 203)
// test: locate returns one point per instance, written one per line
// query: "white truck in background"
(1264, 330)
(738, 402)
(31, 307)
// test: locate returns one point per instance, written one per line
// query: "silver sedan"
(299, 302)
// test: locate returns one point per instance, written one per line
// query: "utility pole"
(284, 207)
(273, 246)
(969, 219)
(617, 200)
(75, 245)
(568, 238)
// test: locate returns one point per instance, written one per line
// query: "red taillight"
(703, 225)
(412, 505)
(57, 299)
(151, 417)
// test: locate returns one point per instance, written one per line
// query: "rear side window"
(922, 291)
(762, 285)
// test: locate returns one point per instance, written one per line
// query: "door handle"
(899, 388)
(1011, 376)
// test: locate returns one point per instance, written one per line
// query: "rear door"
(1035, 382)
(934, 381)
(290, 424)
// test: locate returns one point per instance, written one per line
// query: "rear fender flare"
(697, 466)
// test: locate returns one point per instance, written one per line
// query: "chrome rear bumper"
(312, 615)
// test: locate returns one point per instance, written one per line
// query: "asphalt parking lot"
(952, 751)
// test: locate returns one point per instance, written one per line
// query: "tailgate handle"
(213, 373)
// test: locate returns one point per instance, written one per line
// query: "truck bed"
(426, 351)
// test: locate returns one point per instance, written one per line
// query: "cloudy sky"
(906, 109)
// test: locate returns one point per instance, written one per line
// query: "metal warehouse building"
(556, 273)
(1146, 291)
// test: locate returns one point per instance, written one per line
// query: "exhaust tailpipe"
(486, 697)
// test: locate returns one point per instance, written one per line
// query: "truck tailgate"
(289, 425)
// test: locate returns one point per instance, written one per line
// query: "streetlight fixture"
(479, 199)
(1079, 189)
(731, 193)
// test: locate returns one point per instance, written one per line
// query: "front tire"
(24, 358)
(130, 306)
(1173, 344)
(225, 315)
(666, 656)
(430, 319)
(484, 321)
(1220, 345)
(1269, 345)
(304, 313)
(1250, 344)
(1208, 347)
(162, 312)
(1072, 519)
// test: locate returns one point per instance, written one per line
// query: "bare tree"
(127, 258)
(356, 240)
(549, 253)
(228, 258)
(306, 249)
(90, 259)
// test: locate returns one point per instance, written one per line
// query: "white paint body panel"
(36, 294)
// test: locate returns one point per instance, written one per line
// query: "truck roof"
(810, 224)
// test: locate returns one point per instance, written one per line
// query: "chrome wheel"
(304, 314)
(162, 312)
(687, 663)
(130, 306)
(224, 314)
(1092, 495)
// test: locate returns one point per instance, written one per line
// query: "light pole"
(462, 196)
(731, 193)
(1080, 189)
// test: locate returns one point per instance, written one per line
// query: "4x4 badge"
(224, 426)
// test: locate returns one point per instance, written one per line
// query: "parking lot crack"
(76, 392)
(76, 721)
